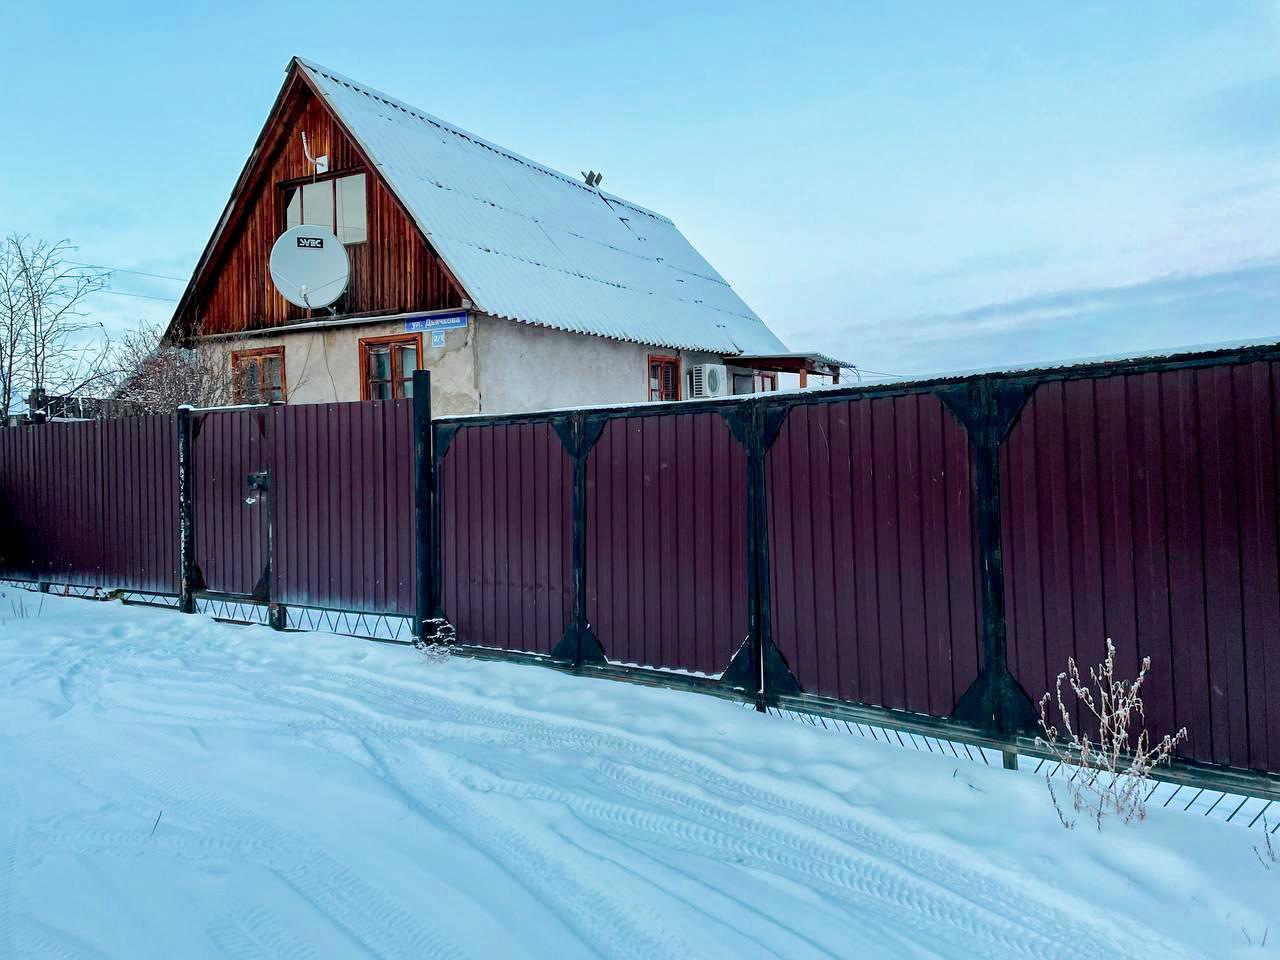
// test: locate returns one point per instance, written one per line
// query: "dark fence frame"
(995, 711)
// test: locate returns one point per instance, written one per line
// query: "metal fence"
(925, 555)
(91, 504)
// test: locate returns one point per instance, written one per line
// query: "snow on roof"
(529, 243)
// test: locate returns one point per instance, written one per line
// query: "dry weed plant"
(1108, 774)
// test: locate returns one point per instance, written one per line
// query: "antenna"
(309, 266)
(320, 163)
(591, 177)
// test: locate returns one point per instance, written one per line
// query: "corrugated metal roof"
(531, 244)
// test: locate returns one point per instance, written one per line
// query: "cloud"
(1030, 259)
(1170, 311)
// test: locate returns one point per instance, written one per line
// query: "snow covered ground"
(172, 787)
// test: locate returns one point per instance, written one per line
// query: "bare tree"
(154, 377)
(59, 350)
(13, 329)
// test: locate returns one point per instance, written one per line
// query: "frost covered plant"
(435, 652)
(1110, 772)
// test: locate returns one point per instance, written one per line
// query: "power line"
(140, 273)
(140, 296)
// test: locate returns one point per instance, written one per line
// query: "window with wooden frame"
(664, 377)
(338, 203)
(257, 376)
(387, 365)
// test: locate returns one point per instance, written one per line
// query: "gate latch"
(259, 483)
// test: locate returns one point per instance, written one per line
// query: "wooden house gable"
(394, 270)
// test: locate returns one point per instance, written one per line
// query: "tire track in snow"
(597, 916)
(930, 886)
(258, 935)
(858, 879)
(702, 807)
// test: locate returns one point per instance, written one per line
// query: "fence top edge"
(1044, 373)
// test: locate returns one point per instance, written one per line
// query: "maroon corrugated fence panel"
(91, 503)
(871, 545)
(230, 540)
(342, 495)
(68, 504)
(505, 535)
(666, 541)
(1143, 508)
(140, 503)
(17, 493)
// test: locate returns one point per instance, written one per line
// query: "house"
(519, 287)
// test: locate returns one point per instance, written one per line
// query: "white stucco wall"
(492, 366)
(323, 366)
(526, 367)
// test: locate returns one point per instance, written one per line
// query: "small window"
(337, 204)
(257, 376)
(664, 378)
(766, 382)
(387, 365)
(317, 204)
(352, 223)
(743, 383)
(293, 213)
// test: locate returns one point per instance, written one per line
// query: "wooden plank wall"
(393, 272)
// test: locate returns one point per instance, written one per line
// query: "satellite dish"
(309, 266)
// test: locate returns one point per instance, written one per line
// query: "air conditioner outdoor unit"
(709, 380)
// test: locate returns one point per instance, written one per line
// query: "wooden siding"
(395, 271)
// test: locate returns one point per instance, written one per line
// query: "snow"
(173, 787)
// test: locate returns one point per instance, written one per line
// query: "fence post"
(758, 667)
(988, 408)
(423, 484)
(186, 516)
(757, 562)
(579, 645)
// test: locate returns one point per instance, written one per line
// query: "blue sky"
(915, 187)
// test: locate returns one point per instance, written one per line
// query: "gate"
(231, 458)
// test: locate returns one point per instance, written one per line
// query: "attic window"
(337, 203)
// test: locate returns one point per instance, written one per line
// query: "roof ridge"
(456, 130)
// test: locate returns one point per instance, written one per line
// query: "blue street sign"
(439, 321)
(437, 338)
